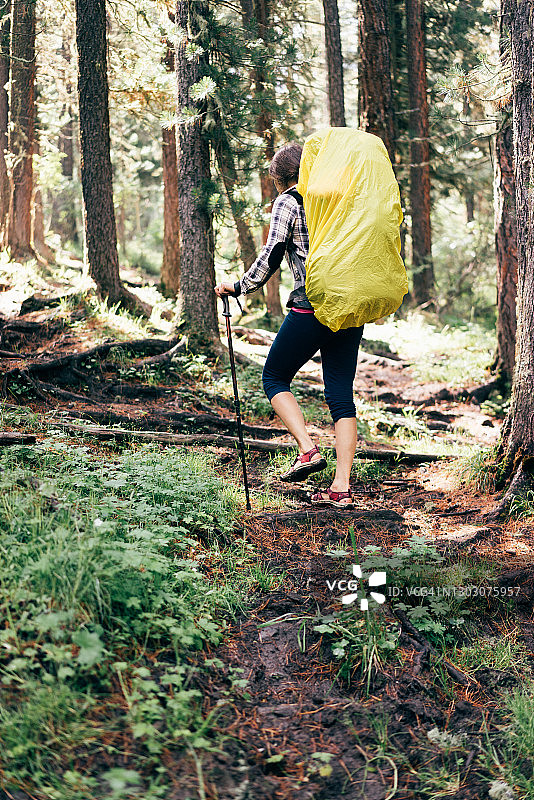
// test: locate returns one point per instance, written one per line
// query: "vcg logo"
(356, 584)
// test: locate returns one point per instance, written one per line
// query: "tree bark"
(5, 27)
(375, 91)
(170, 267)
(506, 251)
(334, 64)
(516, 448)
(422, 267)
(197, 279)
(38, 243)
(505, 229)
(95, 160)
(21, 127)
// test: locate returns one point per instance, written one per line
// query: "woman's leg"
(297, 341)
(340, 355)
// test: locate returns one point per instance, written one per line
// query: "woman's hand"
(224, 288)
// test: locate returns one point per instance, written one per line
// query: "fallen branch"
(176, 420)
(8, 438)
(230, 441)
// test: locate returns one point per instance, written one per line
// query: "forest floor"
(253, 680)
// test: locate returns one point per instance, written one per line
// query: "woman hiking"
(301, 336)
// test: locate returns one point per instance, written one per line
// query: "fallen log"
(177, 420)
(230, 441)
(8, 438)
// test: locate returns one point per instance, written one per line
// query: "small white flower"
(98, 522)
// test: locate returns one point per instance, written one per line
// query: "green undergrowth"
(116, 570)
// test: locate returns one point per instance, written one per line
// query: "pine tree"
(505, 233)
(423, 270)
(197, 298)
(375, 92)
(516, 449)
(170, 267)
(5, 26)
(334, 64)
(96, 173)
(21, 126)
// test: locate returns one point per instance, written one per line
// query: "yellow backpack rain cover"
(354, 271)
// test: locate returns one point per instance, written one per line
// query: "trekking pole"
(227, 315)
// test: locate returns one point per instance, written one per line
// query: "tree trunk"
(505, 228)
(227, 169)
(375, 92)
(422, 267)
(95, 161)
(197, 279)
(5, 25)
(170, 268)
(334, 64)
(38, 243)
(506, 251)
(516, 448)
(21, 127)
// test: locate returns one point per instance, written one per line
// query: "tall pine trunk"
(517, 443)
(334, 64)
(95, 161)
(197, 279)
(423, 269)
(375, 91)
(5, 25)
(505, 229)
(21, 126)
(506, 252)
(170, 267)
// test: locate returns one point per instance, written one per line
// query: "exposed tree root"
(45, 367)
(521, 483)
(477, 395)
(453, 671)
(37, 302)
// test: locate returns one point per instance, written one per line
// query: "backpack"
(354, 271)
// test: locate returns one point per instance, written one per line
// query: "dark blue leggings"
(299, 338)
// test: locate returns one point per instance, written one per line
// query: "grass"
(503, 653)
(509, 754)
(113, 576)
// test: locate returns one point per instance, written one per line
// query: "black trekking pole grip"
(227, 314)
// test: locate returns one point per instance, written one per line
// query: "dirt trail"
(298, 730)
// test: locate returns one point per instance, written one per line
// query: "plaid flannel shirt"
(288, 234)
